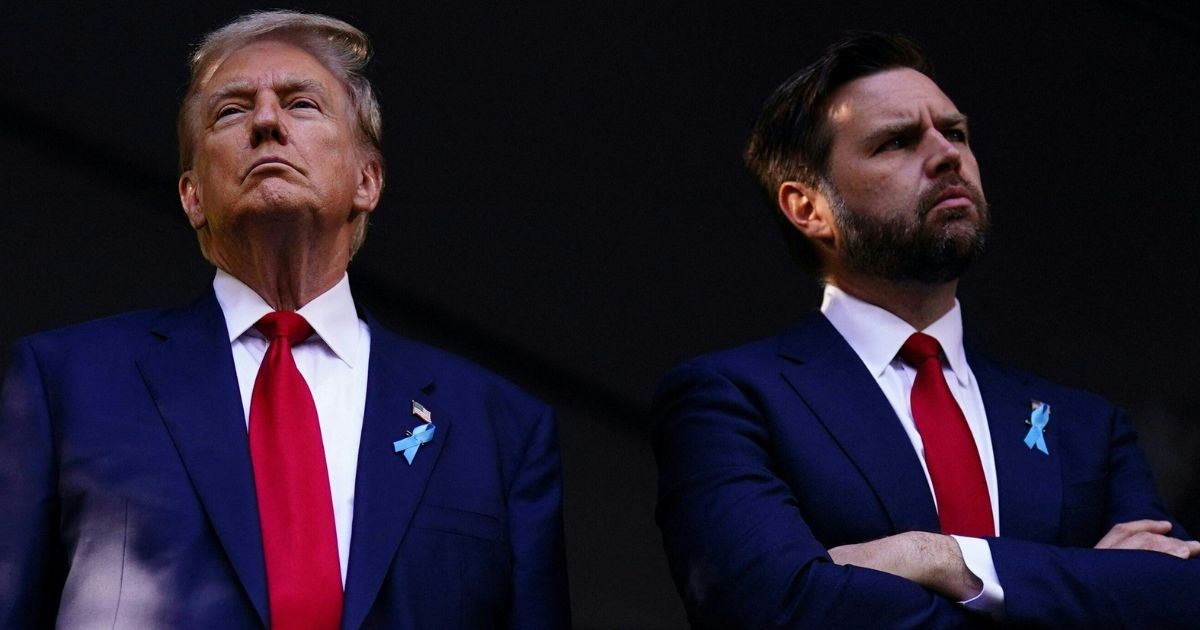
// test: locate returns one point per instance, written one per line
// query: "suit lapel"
(191, 377)
(387, 488)
(1029, 482)
(835, 385)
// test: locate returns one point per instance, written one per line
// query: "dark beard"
(903, 247)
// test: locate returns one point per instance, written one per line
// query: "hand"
(931, 560)
(1148, 535)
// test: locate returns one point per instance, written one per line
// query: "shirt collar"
(332, 314)
(876, 334)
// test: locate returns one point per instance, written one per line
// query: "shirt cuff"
(977, 555)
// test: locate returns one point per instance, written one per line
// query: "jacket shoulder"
(107, 334)
(811, 337)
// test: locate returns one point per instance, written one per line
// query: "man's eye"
(303, 103)
(899, 142)
(228, 110)
(955, 135)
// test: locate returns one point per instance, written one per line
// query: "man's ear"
(189, 198)
(807, 209)
(370, 186)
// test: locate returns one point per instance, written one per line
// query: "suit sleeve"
(540, 599)
(740, 551)
(30, 562)
(1099, 588)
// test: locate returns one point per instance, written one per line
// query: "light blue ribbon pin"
(423, 434)
(1036, 436)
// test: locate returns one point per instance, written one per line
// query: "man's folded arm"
(1137, 578)
(30, 567)
(740, 551)
(1096, 588)
(1138, 575)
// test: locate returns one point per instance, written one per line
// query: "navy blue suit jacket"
(127, 498)
(771, 453)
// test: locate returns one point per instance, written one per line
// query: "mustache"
(929, 198)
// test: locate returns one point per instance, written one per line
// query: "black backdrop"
(566, 205)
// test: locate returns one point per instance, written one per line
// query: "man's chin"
(277, 196)
(946, 217)
(957, 228)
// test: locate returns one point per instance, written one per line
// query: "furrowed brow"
(906, 127)
(951, 120)
(229, 90)
(291, 85)
(891, 130)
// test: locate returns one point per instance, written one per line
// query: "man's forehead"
(889, 97)
(268, 62)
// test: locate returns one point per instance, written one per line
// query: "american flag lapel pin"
(421, 412)
(421, 434)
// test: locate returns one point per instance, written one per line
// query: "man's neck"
(285, 278)
(917, 303)
(288, 289)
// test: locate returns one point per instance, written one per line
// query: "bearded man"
(864, 469)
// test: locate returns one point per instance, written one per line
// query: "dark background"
(566, 205)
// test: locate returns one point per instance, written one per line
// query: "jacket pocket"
(461, 522)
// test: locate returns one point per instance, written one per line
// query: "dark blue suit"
(127, 498)
(771, 453)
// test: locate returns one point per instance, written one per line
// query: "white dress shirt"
(333, 361)
(876, 336)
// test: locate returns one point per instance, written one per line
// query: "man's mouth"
(953, 197)
(268, 162)
(952, 201)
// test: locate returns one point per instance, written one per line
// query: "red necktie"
(950, 453)
(295, 510)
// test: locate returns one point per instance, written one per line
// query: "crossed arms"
(745, 489)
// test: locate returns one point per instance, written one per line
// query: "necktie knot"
(919, 348)
(286, 324)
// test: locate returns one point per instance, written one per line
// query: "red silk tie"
(295, 510)
(950, 453)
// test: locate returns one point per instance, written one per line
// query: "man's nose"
(267, 123)
(944, 155)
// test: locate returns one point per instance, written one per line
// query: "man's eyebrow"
(233, 88)
(291, 85)
(285, 85)
(951, 120)
(891, 130)
(903, 127)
